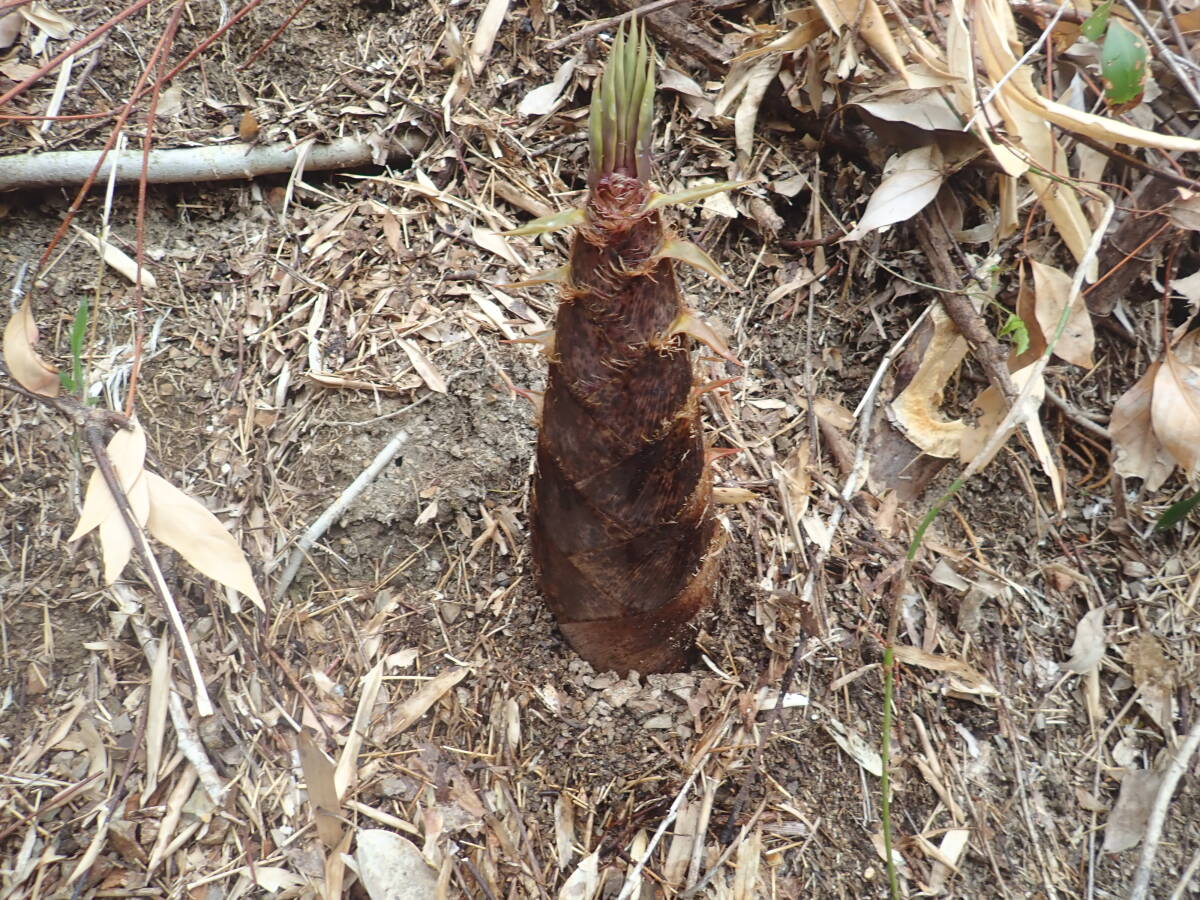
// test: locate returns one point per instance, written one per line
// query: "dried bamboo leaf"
(119, 260)
(392, 868)
(1052, 288)
(1139, 452)
(127, 452)
(1175, 411)
(186, 526)
(348, 761)
(322, 793)
(910, 182)
(428, 694)
(1088, 648)
(27, 368)
(916, 409)
(582, 883)
(156, 710)
(486, 30)
(427, 370)
(970, 679)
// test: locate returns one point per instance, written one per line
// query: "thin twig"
(1076, 415)
(937, 242)
(335, 510)
(1158, 813)
(610, 22)
(696, 889)
(1184, 49)
(1159, 172)
(1186, 878)
(186, 738)
(631, 878)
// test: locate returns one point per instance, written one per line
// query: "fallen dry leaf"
(322, 795)
(996, 25)
(927, 110)
(858, 749)
(392, 868)
(1139, 452)
(1088, 648)
(542, 100)
(186, 526)
(970, 680)
(762, 73)
(495, 243)
(867, 18)
(10, 29)
(1127, 822)
(119, 260)
(28, 369)
(910, 182)
(950, 851)
(810, 25)
(992, 415)
(1153, 674)
(992, 412)
(116, 543)
(486, 30)
(960, 60)
(347, 764)
(1185, 210)
(583, 881)
(1175, 411)
(127, 453)
(427, 370)
(1052, 289)
(48, 21)
(564, 829)
(424, 697)
(272, 879)
(916, 411)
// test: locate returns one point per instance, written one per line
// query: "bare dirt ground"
(300, 323)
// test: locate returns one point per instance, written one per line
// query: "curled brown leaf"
(30, 370)
(1175, 411)
(1139, 452)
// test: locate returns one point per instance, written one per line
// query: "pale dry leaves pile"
(943, 92)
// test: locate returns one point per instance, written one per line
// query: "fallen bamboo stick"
(221, 162)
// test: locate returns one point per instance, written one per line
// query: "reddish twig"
(22, 86)
(610, 22)
(274, 35)
(165, 42)
(126, 111)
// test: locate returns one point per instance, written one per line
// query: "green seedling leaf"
(1014, 327)
(73, 382)
(1094, 25)
(1124, 65)
(1177, 512)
